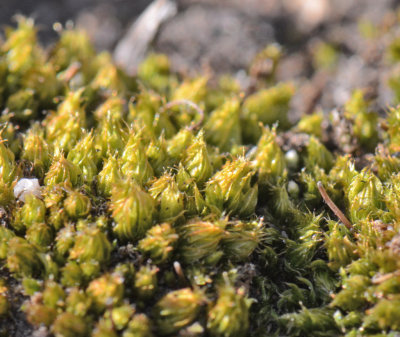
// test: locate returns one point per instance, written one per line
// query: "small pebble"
(27, 186)
(293, 189)
(292, 159)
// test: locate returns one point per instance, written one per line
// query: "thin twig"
(190, 104)
(71, 71)
(377, 279)
(333, 207)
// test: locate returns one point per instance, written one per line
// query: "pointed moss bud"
(229, 316)
(170, 200)
(365, 196)
(58, 217)
(145, 109)
(343, 171)
(133, 209)
(318, 154)
(177, 145)
(69, 325)
(4, 303)
(41, 235)
(241, 239)
(265, 63)
(197, 161)
(104, 328)
(65, 239)
(157, 155)
(31, 286)
(62, 170)
(84, 156)
(231, 188)
(6, 194)
(392, 196)
(22, 104)
(53, 295)
(311, 124)
(54, 195)
(72, 275)
(267, 106)
(77, 302)
(148, 112)
(37, 150)
(385, 314)
(9, 130)
(145, 284)
(318, 320)
(353, 294)
(112, 136)
(3, 78)
(51, 269)
(23, 259)
(5, 236)
(194, 201)
(222, 128)
(114, 106)
(64, 128)
(77, 205)
(106, 291)
(73, 46)
(183, 179)
(33, 212)
(42, 78)
(134, 162)
(387, 165)
(7, 163)
(200, 239)
(155, 71)
(227, 86)
(269, 159)
(21, 48)
(108, 176)
(138, 326)
(393, 121)
(91, 244)
(193, 90)
(121, 316)
(38, 314)
(341, 250)
(177, 309)
(27, 62)
(364, 121)
(281, 204)
(90, 269)
(312, 196)
(159, 243)
(108, 77)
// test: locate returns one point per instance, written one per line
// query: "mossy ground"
(173, 206)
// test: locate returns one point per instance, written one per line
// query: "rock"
(27, 186)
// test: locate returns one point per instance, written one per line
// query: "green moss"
(178, 212)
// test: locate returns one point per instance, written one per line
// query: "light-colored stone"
(27, 186)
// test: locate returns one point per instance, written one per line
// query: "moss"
(178, 212)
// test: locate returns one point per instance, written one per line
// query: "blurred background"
(225, 35)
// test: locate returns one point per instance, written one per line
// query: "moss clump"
(172, 207)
